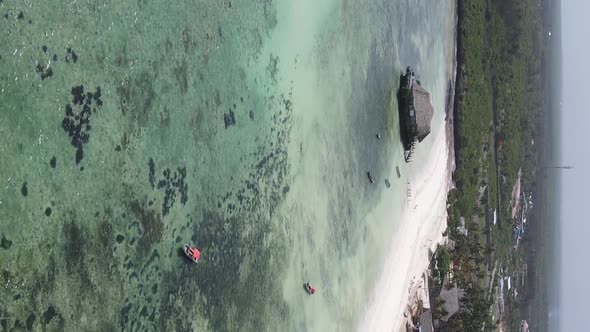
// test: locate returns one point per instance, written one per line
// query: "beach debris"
(398, 172)
(387, 184)
(370, 177)
(378, 136)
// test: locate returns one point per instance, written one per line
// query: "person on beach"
(310, 289)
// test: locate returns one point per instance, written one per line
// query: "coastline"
(415, 291)
(412, 246)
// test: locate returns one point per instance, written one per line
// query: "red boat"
(192, 252)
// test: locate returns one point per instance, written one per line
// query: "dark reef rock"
(71, 55)
(5, 243)
(45, 71)
(31, 321)
(24, 190)
(53, 162)
(229, 119)
(170, 184)
(46, 74)
(48, 211)
(152, 227)
(77, 118)
(152, 175)
(49, 314)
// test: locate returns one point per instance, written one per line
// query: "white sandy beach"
(422, 223)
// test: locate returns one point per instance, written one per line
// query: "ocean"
(245, 127)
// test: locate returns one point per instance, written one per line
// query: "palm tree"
(420, 306)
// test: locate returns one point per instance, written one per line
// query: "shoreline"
(393, 300)
(411, 246)
(415, 290)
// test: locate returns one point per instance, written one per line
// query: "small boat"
(192, 252)
(370, 177)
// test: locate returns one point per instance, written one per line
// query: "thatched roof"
(424, 110)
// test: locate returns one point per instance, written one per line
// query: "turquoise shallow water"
(245, 127)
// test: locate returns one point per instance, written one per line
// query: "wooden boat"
(192, 252)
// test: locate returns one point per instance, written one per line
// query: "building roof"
(451, 297)
(426, 322)
(424, 110)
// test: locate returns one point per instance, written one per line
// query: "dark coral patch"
(71, 55)
(5, 243)
(24, 190)
(77, 118)
(31, 321)
(120, 238)
(229, 119)
(171, 184)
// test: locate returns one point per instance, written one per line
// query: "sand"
(422, 223)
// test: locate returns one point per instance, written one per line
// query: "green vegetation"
(444, 259)
(499, 95)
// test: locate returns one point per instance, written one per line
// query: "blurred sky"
(575, 150)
